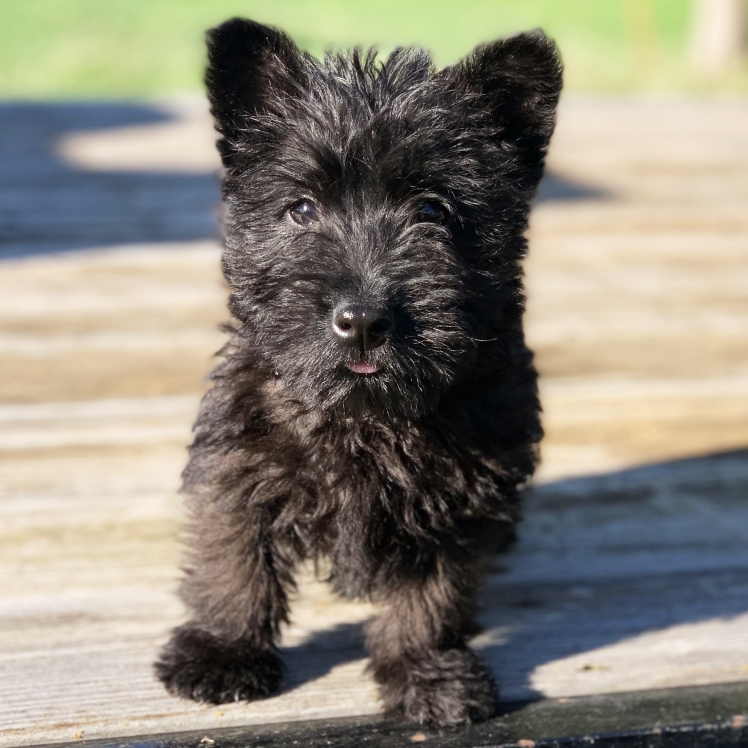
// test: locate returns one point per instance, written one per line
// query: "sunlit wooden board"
(631, 569)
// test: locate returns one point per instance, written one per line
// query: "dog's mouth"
(363, 367)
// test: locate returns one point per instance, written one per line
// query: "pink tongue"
(361, 367)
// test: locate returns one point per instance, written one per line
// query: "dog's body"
(376, 403)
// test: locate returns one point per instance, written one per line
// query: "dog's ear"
(519, 79)
(247, 64)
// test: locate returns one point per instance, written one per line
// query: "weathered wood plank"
(631, 566)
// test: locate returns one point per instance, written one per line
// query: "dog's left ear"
(519, 79)
(248, 65)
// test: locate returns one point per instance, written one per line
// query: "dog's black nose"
(361, 326)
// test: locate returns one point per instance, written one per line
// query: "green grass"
(133, 48)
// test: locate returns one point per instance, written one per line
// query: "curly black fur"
(198, 665)
(414, 186)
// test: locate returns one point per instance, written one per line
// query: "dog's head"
(375, 212)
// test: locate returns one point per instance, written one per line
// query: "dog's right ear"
(518, 81)
(247, 64)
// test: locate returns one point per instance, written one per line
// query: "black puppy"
(376, 403)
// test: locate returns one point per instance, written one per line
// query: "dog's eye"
(303, 212)
(432, 212)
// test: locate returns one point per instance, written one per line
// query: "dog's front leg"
(419, 656)
(236, 587)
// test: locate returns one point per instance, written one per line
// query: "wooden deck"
(632, 569)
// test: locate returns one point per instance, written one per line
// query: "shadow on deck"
(49, 205)
(601, 560)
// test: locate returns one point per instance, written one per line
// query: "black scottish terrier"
(376, 403)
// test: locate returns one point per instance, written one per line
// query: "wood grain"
(630, 572)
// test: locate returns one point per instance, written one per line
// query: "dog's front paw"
(450, 688)
(196, 665)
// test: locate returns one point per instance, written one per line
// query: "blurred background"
(126, 48)
(630, 570)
